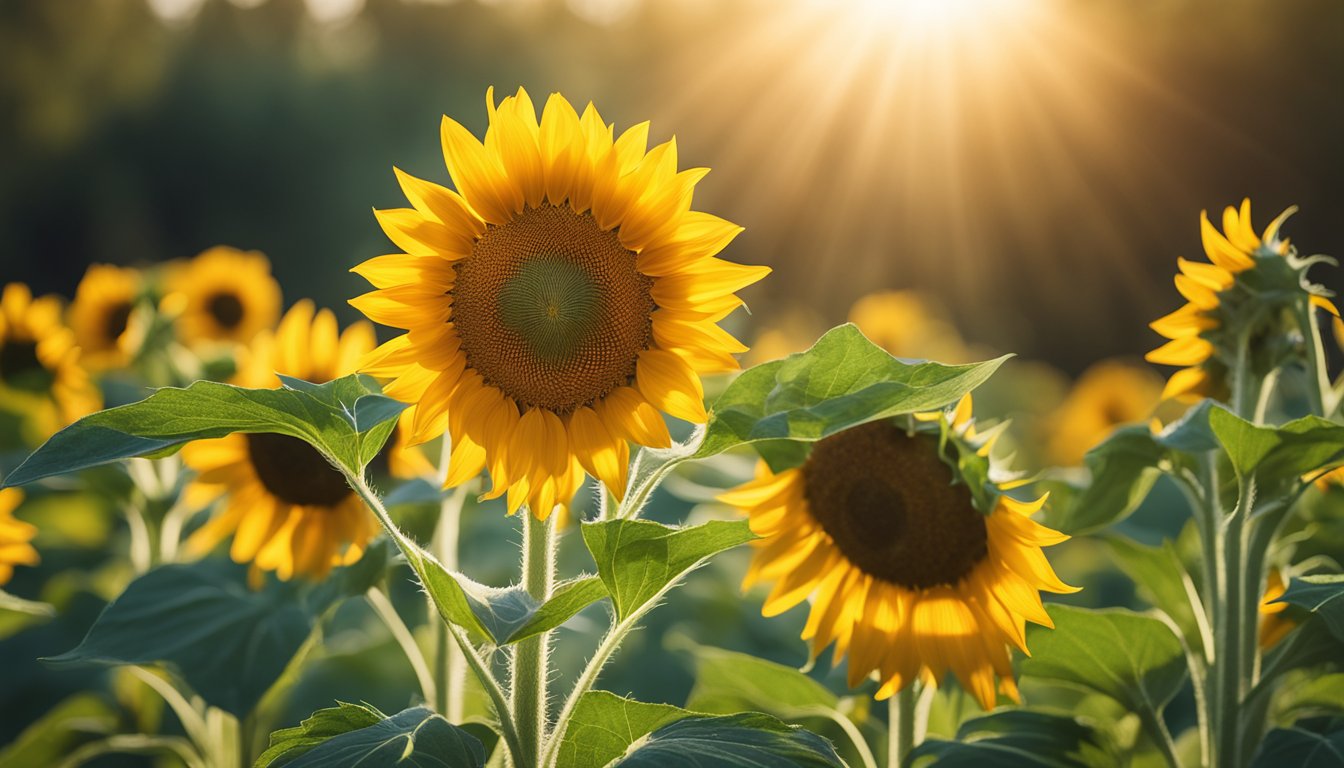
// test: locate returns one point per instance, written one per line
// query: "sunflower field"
(531, 467)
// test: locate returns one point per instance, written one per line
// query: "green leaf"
(1307, 694)
(606, 728)
(747, 740)
(1323, 595)
(603, 725)
(323, 415)
(638, 560)
(1277, 457)
(415, 738)
(1162, 581)
(1312, 743)
(1015, 737)
(726, 681)
(1131, 658)
(844, 380)
(1123, 470)
(289, 743)
(17, 614)
(227, 641)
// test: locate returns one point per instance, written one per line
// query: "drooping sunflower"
(223, 294)
(911, 571)
(554, 303)
(40, 372)
(1217, 296)
(15, 536)
(100, 315)
(1107, 395)
(289, 511)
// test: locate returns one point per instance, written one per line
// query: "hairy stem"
(450, 665)
(530, 656)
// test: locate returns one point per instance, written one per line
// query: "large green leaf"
(747, 740)
(288, 743)
(1134, 659)
(1123, 470)
(606, 728)
(345, 419)
(228, 641)
(603, 725)
(414, 738)
(726, 681)
(844, 380)
(1277, 457)
(1162, 581)
(1312, 743)
(1015, 737)
(1323, 595)
(639, 559)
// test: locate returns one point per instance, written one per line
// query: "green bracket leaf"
(414, 738)
(608, 730)
(1323, 595)
(639, 559)
(1277, 457)
(844, 380)
(500, 616)
(347, 419)
(227, 641)
(1131, 658)
(288, 743)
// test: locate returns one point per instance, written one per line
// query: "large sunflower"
(40, 372)
(908, 574)
(15, 536)
(100, 315)
(1218, 297)
(289, 510)
(223, 294)
(555, 303)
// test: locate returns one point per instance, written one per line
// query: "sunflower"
(15, 536)
(912, 570)
(223, 294)
(100, 315)
(40, 373)
(1108, 394)
(560, 298)
(906, 325)
(1217, 297)
(288, 509)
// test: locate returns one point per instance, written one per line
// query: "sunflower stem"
(479, 666)
(1319, 391)
(450, 666)
(900, 726)
(530, 656)
(382, 606)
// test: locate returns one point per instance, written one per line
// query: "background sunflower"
(222, 295)
(101, 314)
(40, 375)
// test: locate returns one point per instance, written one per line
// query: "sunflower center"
(21, 369)
(889, 503)
(115, 321)
(226, 309)
(294, 472)
(551, 310)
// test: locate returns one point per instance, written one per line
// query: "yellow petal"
(602, 455)
(669, 384)
(1219, 250)
(1190, 350)
(478, 176)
